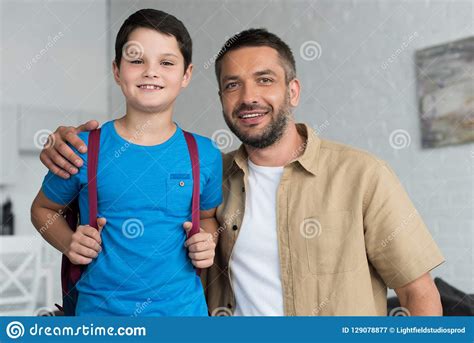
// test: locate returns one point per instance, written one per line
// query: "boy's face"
(151, 71)
(256, 100)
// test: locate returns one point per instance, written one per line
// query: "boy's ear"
(187, 76)
(116, 71)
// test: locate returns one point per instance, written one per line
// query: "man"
(307, 226)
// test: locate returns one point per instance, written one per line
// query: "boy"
(144, 184)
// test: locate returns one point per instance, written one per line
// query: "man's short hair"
(255, 38)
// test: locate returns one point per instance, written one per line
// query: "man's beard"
(271, 134)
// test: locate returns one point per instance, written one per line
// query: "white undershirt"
(255, 262)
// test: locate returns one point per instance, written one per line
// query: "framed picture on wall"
(445, 86)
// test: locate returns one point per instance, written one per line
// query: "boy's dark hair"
(258, 37)
(159, 21)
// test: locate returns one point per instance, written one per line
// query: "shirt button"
(229, 305)
(181, 183)
(234, 227)
(243, 189)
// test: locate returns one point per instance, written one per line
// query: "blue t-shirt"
(145, 193)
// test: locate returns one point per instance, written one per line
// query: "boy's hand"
(58, 157)
(201, 247)
(85, 243)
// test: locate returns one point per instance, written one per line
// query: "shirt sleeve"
(398, 243)
(211, 195)
(63, 191)
(59, 190)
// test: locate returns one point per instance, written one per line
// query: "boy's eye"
(167, 63)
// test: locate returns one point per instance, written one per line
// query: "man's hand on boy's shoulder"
(58, 157)
(201, 247)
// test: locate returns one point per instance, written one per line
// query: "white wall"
(55, 64)
(54, 59)
(354, 92)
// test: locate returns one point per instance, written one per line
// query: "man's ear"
(187, 76)
(116, 72)
(295, 89)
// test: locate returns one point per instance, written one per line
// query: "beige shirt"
(346, 229)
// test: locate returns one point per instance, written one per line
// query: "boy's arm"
(201, 246)
(80, 246)
(209, 223)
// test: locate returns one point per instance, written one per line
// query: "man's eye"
(230, 85)
(136, 62)
(265, 80)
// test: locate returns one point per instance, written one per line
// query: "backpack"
(71, 273)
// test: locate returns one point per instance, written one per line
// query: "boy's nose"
(151, 72)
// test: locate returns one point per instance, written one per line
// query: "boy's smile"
(150, 87)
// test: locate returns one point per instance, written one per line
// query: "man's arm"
(58, 157)
(421, 297)
(202, 245)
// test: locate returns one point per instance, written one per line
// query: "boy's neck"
(146, 128)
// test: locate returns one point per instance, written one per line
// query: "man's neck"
(146, 128)
(289, 147)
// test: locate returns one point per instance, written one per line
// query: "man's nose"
(249, 94)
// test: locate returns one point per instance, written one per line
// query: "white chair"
(20, 272)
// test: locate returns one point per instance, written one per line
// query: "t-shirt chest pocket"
(179, 192)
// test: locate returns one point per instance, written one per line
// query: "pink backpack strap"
(92, 162)
(196, 215)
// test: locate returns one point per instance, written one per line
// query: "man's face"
(255, 97)
(151, 71)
